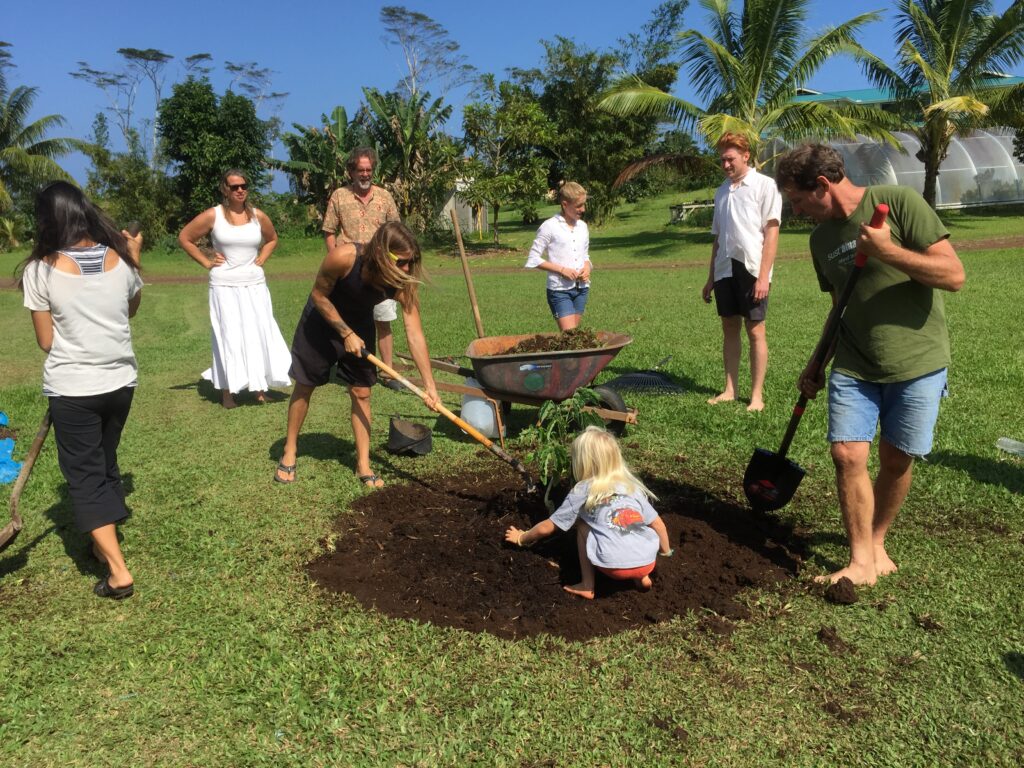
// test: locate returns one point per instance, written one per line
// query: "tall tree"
(429, 52)
(27, 155)
(947, 51)
(317, 157)
(122, 87)
(748, 70)
(126, 186)
(590, 145)
(204, 135)
(505, 129)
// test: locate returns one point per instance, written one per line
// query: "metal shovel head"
(771, 480)
(408, 437)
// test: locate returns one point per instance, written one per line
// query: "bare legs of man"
(731, 348)
(731, 358)
(758, 341)
(868, 511)
(360, 397)
(298, 407)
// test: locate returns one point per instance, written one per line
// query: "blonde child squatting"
(617, 530)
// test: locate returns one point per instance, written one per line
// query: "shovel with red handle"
(771, 479)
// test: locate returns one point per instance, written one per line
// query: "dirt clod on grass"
(432, 550)
(833, 641)
(841, 592)
(571, 340)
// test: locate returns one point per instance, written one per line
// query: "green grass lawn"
(228, 656)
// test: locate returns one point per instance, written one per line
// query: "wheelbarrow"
(532, 378)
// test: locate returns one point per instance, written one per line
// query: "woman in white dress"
(249, 352)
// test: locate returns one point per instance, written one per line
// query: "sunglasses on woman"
(400, 262)
(236, 187)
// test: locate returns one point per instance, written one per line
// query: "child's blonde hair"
(596, 457)
(570, 192)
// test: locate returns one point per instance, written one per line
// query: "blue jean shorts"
(907, 410)
(565, 303)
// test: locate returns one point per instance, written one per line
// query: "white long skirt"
(248, 349)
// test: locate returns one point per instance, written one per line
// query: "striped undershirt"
(89, 258)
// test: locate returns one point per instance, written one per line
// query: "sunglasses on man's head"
(236, 187)
(400, 262)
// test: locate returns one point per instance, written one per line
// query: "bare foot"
(858, 574)
(883, 563)
(756, 406)
(261, 397)
(580, 591)
(228, 400)
(723, 397)
(644, 584)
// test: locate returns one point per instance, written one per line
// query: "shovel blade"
(771, 480)
(9, 533)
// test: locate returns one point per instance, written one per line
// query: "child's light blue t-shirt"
(620, 532)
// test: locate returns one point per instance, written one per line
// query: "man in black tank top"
(337, 323)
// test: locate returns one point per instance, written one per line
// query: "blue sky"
(323, 53)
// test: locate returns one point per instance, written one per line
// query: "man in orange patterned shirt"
(353, 214)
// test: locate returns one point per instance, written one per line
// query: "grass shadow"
(983, 470)
(317, 445)
(1014, 662)
(14, 562)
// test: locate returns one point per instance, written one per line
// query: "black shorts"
(316, 348)
(735, 295)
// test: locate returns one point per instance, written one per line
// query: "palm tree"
(418, 162)
(749, 69)
(26, 155)
(317, 156)
(947, 53)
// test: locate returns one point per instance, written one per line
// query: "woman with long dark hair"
(81, 283)
(249, 352)
(337, 324)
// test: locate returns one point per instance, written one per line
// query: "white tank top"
(240, 245)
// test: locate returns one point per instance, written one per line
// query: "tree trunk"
(496, 207)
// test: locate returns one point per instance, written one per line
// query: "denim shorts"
(907, 410)
(565, 303)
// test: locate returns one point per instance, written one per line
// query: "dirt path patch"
(432, 550)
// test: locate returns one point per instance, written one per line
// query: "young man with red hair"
(748, 210)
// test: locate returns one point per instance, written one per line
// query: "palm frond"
(632, 96)
(713, 68)
(1001, 47)
(678, 162)
(841, 39)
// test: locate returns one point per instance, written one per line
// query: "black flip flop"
(103, 588)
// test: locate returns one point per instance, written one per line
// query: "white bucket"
(478, 412)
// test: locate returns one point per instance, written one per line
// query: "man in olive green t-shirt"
(891, 356)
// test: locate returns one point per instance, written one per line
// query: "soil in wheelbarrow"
(433, 551)
(566, 341)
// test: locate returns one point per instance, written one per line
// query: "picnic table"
(680, 211)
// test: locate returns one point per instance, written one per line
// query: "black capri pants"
(88, 430)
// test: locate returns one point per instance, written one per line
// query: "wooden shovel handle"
(26, 466)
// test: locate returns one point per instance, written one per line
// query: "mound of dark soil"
(433, 550)
(566, 341)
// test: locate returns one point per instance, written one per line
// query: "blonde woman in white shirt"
(81, 283)
(249, 352)
(562, 249)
